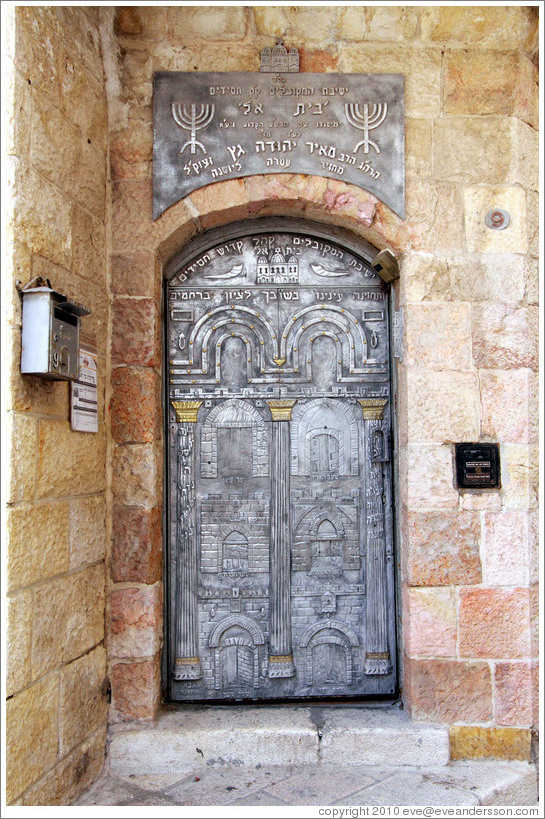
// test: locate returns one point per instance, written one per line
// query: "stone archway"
(136, 347)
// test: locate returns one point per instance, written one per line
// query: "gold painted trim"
(186, 411)
(280, 658)
(377, 655)
(186, 661)
(373, 408)
(281, 408)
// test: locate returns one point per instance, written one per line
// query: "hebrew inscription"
(280, 546)
(212, 126)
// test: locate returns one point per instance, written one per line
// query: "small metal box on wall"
(50, 334)
(478, 466)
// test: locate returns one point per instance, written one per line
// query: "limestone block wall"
(54, 479)
(467, 561)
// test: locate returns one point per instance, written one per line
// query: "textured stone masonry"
(468, 324)
(57, 515)
(80, 92)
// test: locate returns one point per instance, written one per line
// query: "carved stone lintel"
(187, 668)
(281, 408)
(186, 411)
(281, 665)
(373, 408)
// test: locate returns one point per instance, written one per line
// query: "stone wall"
(55, 479)
(469, 295)
(467, 561)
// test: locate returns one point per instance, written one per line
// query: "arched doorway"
(280, 502)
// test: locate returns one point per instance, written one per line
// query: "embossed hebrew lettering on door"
(280, 576)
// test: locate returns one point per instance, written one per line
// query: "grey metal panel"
(214, 126)
(280, 537)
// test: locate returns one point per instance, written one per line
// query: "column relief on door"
(280, 556)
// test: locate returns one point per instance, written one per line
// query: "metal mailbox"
(50, 334)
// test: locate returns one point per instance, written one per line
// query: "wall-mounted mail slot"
(478, 466)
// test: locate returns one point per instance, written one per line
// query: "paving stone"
(156, 782)
(223, 785)
(409, 788)
(151, 799)
(319, 785)
(108, 790)
(260, 798)
(458, 783)
(516, 789)
(492, 780)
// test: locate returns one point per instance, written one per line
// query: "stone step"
(189, 736)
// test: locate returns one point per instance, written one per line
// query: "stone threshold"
(285, 755)
(189, 736)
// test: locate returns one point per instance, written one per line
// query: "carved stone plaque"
(280, 560)
(214, 126)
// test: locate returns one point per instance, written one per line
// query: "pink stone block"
(136, 545)
(427, 471)
(442, 548)
(135, 622)
(136, 689)
(133, 274)
(442, 406)
(495, 623)
(507, 552)
(516, 699)
(506, 405)
(448, 690)
(136, 475)
(438, 336)
(135, 405)
(135, 338)
(505, 337)
(430, 617)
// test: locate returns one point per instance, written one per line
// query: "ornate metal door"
(280, 546)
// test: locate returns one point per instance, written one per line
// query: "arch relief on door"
(280, 547)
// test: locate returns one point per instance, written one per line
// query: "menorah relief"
(366, 120)
(193, 118)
